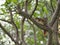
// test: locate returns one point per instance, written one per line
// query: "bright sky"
(2, 2)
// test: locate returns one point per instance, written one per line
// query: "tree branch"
(22, 24)
(55, 14)
(17, 36)
(34, 8)
(22, 32)
(51, 5)
(8, 34)
(34, 32)
(6, 21)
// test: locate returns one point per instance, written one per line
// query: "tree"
(23, 16)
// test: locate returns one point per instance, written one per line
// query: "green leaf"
(3, 10)
(14, 1)
(18, 23)
(8, 1)
(45, 10)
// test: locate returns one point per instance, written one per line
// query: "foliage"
(44, 9)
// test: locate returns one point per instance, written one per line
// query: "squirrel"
(42, 21)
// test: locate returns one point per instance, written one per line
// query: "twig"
(6, 21)
(22, 32)
(34, 32)
(8, 34)
(51, 5)
(22, 23)
(17, 36)
(47, 6)
(34, 8)
(55, 14)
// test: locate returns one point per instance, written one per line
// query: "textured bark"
(55, 33)
(53, 36)
(49, 39)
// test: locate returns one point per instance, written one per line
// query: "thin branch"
(22, 32)
(51, 5)
(26, 4)
(47, 6)
(34, 32)
(17, 36)
(22, 24)
(8, 34)
(6, 21)
(22, 5)
(34, 8)
(55, 14)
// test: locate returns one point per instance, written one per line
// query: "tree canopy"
(30, 22)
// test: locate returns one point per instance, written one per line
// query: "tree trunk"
(55, 33)
(49, 39)
(53, 37)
